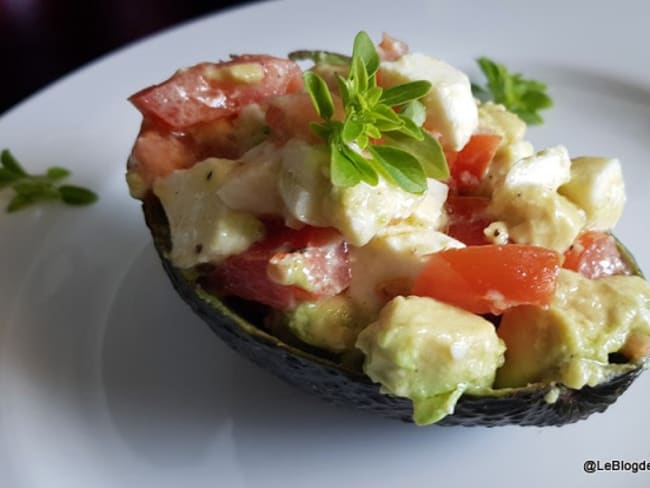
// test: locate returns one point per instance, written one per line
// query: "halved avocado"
(334, 382)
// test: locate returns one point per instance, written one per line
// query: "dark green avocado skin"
(334, 384)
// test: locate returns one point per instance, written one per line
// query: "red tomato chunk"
(391, 49)
(490, 279)
(207, 92)
(468, 219)
(322, 252)
(468, 167)
(595, 255)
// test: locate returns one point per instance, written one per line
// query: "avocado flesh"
(328, 378)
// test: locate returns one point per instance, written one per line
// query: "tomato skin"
(289, 116)
(595, 255)
(467, 219)
(469, 165)
(245, 275)
(391, 49)
(490, 279)
(450, 156)
(194, 96)
(158, 153)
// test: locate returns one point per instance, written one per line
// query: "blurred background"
(42, 40)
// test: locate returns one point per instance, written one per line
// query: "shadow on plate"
(115, 362)
(603, 82)
(175, 391)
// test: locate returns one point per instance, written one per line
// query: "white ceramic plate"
(107, 379)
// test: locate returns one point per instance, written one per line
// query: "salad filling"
(385, 216)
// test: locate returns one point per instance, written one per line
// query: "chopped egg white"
(252, 183)
(389, 263)
(597, 187)
(549, 169)
(202, 228)
(528, 204)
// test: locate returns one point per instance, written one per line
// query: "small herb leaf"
(351, 130)
(30, 189)
(415, 111)
(404, 169)
(368, 174)
(384, 112)
(320, 57)
(34, 188)
(320, 95)
(411, 129)
(344, 90)
(373, 95)
(343, 172)
(19, 202)
(537, 99)
(519, 95)
(427, 151)
(531, 118)
(399, 94)
(11, 164)
(386, 119)
(365, 50)
(7, 177)
(57, 173)
(320, 130)
(372, 114)
(372, 131)
(76, 195)
(359, 75)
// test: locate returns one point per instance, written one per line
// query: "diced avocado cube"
(430, 352)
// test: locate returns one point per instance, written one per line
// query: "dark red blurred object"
(41, 40)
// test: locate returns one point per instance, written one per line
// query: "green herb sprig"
(317, 57)
(32, 189)
(519, 95)
(406, 155)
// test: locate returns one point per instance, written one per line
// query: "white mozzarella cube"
(451, 109)
(361, 211)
